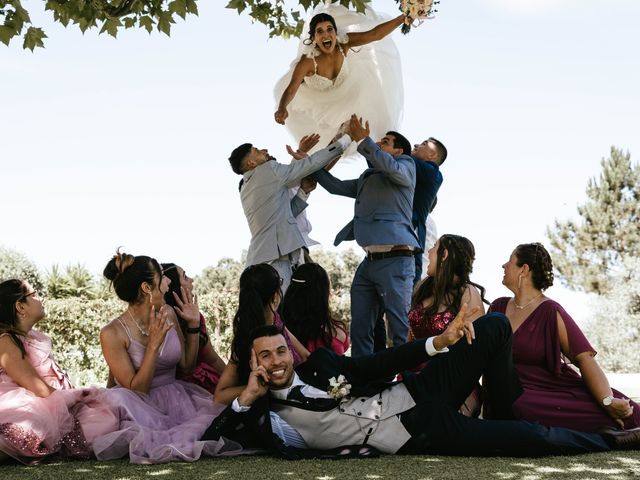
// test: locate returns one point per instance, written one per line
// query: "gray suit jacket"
(384, 199)
(266, 204)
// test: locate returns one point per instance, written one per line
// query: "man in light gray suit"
(264, 192)
(382, 226)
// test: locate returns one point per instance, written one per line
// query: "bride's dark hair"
(320, 17)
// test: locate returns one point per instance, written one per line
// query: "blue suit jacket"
(384, 198)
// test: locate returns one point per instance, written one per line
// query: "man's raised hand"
(460, 326)
(257, 385)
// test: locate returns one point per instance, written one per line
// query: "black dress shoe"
(621, 439)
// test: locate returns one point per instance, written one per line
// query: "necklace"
(146, 334)
(522, 307)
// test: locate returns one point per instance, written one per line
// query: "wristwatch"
(606, 401)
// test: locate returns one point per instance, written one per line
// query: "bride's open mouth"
(327, 44)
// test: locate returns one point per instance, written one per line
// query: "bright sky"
(125, 142)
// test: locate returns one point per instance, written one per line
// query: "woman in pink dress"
(305, 310)
(161, 418)
(258, 300)
(438, 298)
(209, 365)
(42, 415)
(546, 341)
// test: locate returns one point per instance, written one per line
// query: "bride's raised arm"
(357, 39)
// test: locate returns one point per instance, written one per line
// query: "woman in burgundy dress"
(438, 298)
(546, 341)
(305, 310)
(209, 365)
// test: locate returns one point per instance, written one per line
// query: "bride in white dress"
(330, 79)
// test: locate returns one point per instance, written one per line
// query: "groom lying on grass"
(332, 406)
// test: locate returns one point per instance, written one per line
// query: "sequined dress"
(165, 424)
(62, 425)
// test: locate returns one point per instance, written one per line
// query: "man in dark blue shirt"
(428, 156)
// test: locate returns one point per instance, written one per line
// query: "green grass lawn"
(610, 466)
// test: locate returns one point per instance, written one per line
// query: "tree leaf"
(179, 7)
(111, 26)
(146, 22)
(165, 19)
(33, 38)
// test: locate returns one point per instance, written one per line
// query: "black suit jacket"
(367, 375)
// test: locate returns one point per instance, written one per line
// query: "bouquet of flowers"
(416, 11)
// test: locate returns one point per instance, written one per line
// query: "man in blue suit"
(382, 226)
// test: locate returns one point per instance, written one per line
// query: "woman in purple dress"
(258, 300)
(546, 341)
(209, 365)
(41, 414)
(161, 418)
(438, 298)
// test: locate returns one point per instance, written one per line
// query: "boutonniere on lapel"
(339, 387)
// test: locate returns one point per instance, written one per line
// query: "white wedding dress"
(369, 83)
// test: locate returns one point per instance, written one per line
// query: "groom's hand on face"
(257, 385)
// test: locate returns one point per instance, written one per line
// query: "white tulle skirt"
(373, 88)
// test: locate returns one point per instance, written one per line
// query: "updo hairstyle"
(539, 261)
(128, 272)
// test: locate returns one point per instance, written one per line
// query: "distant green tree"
(590, 253)
(14, 264)
(75, 281)
(113, 15)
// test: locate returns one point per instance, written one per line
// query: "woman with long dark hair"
(438, 298)
(306, 313)
(42, 415)
(258, 302)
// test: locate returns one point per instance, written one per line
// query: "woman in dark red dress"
(546, 341)
(438, 298)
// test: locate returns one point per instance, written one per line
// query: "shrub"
(74, 326)
(14, 264)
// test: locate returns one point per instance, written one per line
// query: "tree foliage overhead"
(282, 17)
(590, 254)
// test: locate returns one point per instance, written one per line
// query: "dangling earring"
(519, 281)
(150, 297)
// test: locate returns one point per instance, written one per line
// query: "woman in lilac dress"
(546, 341)
(209, 365)
(161, 418)
(438, 298)
(41, 414)
(258, 301)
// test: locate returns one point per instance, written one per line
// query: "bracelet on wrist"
(192, 329)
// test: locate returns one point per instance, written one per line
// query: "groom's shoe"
(621, 439)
